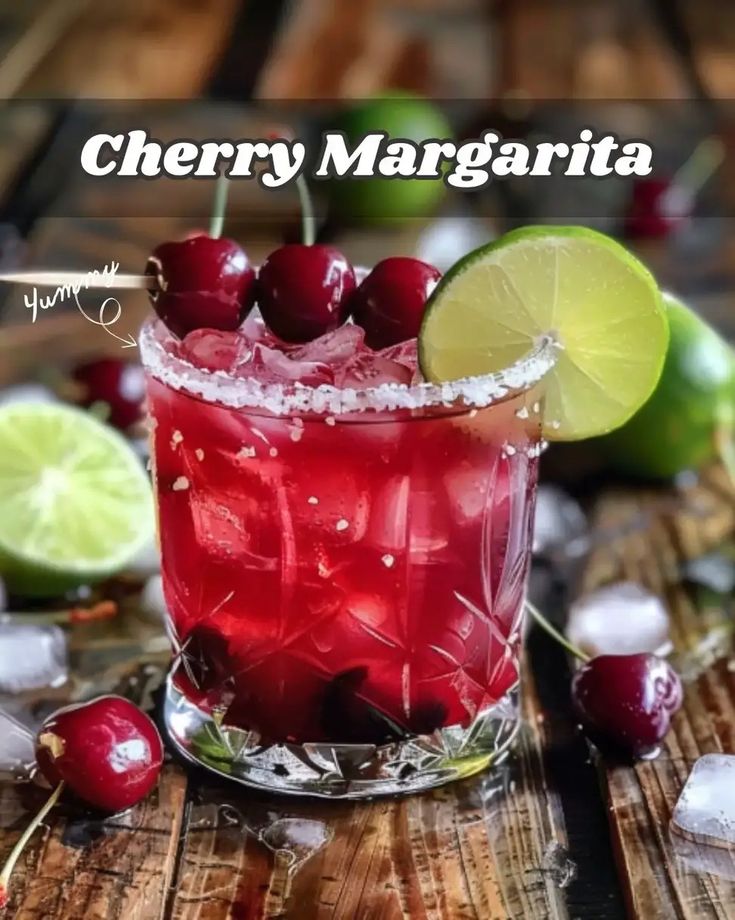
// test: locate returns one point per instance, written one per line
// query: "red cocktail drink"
(344, 562)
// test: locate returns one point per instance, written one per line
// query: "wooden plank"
(29, 31)
(22, 128)
(432, 47)
(135, 49)
(664, 877)
(489, 848)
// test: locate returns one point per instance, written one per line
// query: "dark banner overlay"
(520, 162)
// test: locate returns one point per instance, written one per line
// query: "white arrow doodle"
(70, 283)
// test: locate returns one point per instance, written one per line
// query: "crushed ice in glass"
(619, 619)
(31, 657)
(705, 811)
(17, 753)
(339, 357)
(560, 523)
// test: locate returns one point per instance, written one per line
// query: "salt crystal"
(273, 452)
(342, 524)
(619, 619)
(313, 500)
(246, 452)
(181, 484)
(296, 434)
(705, 811)
(199, 454)
(176, 439)
(31, 657)
(388, 560)
(330, 421)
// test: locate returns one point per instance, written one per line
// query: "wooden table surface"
(555, 832)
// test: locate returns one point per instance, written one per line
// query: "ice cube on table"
(560, 523)
(17, 749)
(619, 619)
(27, 393)
(705, 811)
(715, 571)
(31, 657)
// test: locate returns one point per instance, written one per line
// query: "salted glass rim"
(284, 399)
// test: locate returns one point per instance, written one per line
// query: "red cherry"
(303, 291)
(389, 304)
(626, 701)
(107, 751)
(653, 212)
(118, 383)
(203, 283)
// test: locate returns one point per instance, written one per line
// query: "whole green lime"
(378, 200)
(675, 430)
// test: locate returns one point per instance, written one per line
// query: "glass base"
(342, 771)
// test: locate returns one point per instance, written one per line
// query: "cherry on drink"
(390, 302)
(304, 291)
(202, 282)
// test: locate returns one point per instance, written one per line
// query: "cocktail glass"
(345, 572)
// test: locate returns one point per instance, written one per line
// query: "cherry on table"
(203, 282)
(303, 290)
(625, 702)
(390, 302)
(107, 752)
(119, 384)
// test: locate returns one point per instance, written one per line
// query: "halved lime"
(598, 302)
(75, 502)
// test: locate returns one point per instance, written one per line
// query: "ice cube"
(332, 348)
(405, 353)
(215, 350)
(271, 365)
(371, 370)
(17, 753)
(619, 619)
(408, 513)
(705, 811)
(715, 571)
(26, 393)
(31, 657)
(560, 523)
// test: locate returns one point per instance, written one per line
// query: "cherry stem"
(7, 870)
(221, 191)
(703, 161)
(308, 220)
(554, 633)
